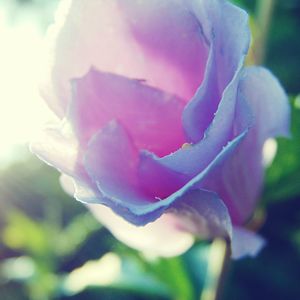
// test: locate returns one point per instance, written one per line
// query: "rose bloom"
(160, 126)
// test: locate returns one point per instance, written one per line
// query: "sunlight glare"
(22, 111)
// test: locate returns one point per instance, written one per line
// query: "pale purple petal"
(203, 214)
(112, 163)
(152, 117)
(232, 118)
(198, 212)
(245, 243)
(163, 237)
(170, 35)
(238, 182)
(157, 41)
(268, 102)
(156, 179)
(226, 27)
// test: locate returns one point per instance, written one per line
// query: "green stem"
(264, 13)
(218, 261)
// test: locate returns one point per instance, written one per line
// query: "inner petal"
(170, 38)
(152, 117)
(111, 161)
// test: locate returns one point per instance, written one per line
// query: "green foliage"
(173, 273)
(22, 233)
(284, 44)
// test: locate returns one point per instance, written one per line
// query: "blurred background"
(52, 248)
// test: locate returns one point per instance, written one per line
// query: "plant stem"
(218, 261)
(264, 12)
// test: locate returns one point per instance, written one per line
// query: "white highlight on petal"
(67, 183)
(269, 151)
(160, 238)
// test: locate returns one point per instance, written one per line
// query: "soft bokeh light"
(102, 272)
(269, 151)
(22, 111)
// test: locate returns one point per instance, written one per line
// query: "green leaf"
(23, 233)
(173, 272)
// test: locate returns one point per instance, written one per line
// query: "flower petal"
(204, 214)
(79, 190)
(269, 103)
(198, 212)
(163, 237)
(171, 37)
(158, 180)
(226, 27)
(112, 163)
(232, 118)
(245, 243)
(157, 41)
(57, 149)
(152, 117)
(238, 181)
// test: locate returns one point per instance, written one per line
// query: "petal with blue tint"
(112, 162)
(245, 243)
(232, 118)
(238, 181)
(204, 214)
(226, 27)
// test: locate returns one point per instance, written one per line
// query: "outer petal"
(269, 103)
(81, 191)
(170, 34)
(58, 149)
(157, 41)
(204, 214)
(152, 117)
(245, 243)
(162, 237)
(238, 181)
(226, 27)
(200, 213)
